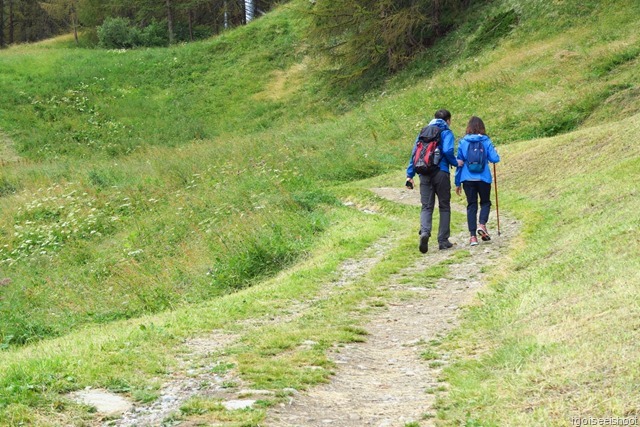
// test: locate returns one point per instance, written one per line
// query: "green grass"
(155, 187)
(555, 332)
(127, 356)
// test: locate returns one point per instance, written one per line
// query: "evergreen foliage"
(363, 37)
(184, 20)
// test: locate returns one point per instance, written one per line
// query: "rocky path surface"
(384, 382)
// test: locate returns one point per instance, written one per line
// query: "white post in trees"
(248, 10)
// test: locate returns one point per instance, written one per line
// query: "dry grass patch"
(8, 152)
(284, 83)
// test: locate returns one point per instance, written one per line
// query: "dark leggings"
(473, 189)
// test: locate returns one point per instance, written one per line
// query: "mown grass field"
(555, 336)
(137, 184)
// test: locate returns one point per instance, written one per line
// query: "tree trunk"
(435, 15)
(22, 26)
(170, 22)
(11, 22)
(1, 24)
(190, 25)
(74, 23)
(214, 8)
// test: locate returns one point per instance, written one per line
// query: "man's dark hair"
(476, 126)
(443, 114)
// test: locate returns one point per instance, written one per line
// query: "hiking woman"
(474, 154)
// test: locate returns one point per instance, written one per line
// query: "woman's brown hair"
(476, 126)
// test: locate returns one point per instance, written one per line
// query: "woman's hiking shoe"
(473, 241)
(424, 243)
(483, 233)
(445, 245)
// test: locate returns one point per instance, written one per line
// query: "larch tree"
(66, 10)
(362, 36)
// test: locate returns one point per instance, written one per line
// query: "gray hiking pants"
(438, 184)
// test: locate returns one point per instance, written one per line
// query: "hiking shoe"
(473, 241)
(483, 233)
(424, 243)
(445, 245)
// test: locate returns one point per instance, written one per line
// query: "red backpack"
(428, 151)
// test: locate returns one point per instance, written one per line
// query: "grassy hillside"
(159, 177)
(103, 219)
(142, 182)
(556, 334)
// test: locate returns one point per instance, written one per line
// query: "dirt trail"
(193, 375)
(384, 382)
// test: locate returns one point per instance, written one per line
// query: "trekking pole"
(495, 181)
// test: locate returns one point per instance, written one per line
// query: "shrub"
(493, 29)
(155, 34)
(117, 33)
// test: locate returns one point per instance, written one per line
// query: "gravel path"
(384, 382)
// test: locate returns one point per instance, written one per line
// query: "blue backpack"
(476, 157)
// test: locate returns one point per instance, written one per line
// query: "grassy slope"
(556, 335)
(96, 103)
(543, 80)
(102, 234)
(128, 356)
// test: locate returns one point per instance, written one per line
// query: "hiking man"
(436, 182)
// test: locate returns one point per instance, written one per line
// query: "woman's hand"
(459, 190)
(460, 163)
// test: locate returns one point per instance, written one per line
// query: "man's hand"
(409, 183)
(460, 163)
(459, 191)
